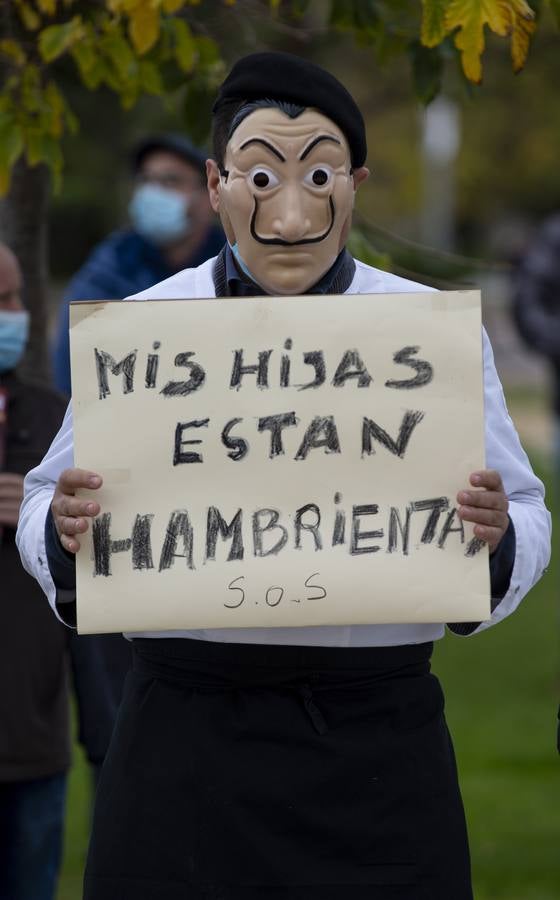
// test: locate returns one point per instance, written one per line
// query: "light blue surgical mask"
(158, 214)
(14, 331)
(241, 262)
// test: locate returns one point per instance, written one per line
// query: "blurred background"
(457, 193)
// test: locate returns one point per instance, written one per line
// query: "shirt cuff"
(62, 565)
(501, 567)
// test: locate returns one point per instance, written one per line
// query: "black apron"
(253, 772)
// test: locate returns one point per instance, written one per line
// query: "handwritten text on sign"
(279, 461)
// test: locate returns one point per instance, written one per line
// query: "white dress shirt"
(504, 453)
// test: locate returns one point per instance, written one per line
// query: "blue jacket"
(123, 264)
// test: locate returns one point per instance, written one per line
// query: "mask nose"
(291, 222)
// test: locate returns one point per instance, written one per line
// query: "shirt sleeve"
(31, 536)
(501, 567)
(522, 560)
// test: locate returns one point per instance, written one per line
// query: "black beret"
(282, 76)
(173, 143)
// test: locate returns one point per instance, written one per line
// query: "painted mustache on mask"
(280, 241)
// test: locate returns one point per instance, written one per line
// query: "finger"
(69, 543)
(487, 478)
(490, 536)
(71, 479)
(486, 499)
(492, 517)
(70, 525)
(77, 506)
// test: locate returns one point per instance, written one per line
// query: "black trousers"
(243, 772)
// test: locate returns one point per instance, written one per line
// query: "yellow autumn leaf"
(46, 6)
(470, 18)
(172, 6)
(131, 5)
(523, 30)
(30, 19)
(13, 51)
(143, 26)
(434, 27)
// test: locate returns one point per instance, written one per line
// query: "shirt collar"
(229, 281)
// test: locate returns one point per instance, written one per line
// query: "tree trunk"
(23, 226)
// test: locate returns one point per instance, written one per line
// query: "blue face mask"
(241, 262)
(14, 331)
(158, 214)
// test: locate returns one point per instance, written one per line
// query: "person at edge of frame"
(34, 697)
(298, 763)
(172, 227)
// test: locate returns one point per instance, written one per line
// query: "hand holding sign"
(71, 513)
(486, 508)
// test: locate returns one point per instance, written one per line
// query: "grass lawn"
(503, 691)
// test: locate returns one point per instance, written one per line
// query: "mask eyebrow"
(315, 141)
(268, 146)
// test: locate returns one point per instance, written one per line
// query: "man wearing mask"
(172, 227)
(287, 763)
(34, 721)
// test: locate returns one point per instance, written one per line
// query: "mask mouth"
(280, 242)
(14, 331)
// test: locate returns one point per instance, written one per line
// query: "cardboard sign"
(279, 461)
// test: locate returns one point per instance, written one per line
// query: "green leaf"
(13, 51)
(186, 50)
(150, 78)
(47, 6)
(427, 71)
(208, 51)
(116, 47)
(360, 16)
(433, 22)
(28, 16)
(87, 61)
(11, 140)
(53, 110)
(31, 94)
(57, 39)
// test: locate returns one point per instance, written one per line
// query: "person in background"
(34, 718)
(536, 311)
(172, 227)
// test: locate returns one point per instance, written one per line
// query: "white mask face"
(287, 198)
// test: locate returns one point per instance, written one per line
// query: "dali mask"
(286, 197)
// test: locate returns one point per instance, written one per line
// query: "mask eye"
(263, 179)
(318, 177)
